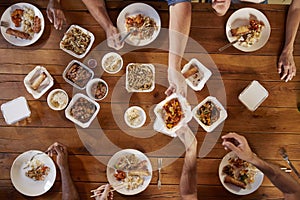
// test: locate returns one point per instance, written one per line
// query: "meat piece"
(36, 24)
(240, 30)
(18, 34)
(229, 179)
(16, 17)
(192, 70)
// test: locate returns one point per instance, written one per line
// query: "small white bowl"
(62, 101)
(139, 121)
(115, 58)
(90, 85)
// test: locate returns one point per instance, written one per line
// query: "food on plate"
(37, 171)
(140, 77)
(99, 90)
(142, 27)
(208, 113)
(18, 34)
(194, 75)
(134, 117)
(172, 113)
(249, 34)
(59, 99)
(112, 63)
(76, 40)
(239, 172)
(37, 24)
(78, 75)
(192, 70)
(38, 81)
(16, 17)
(131, 171)
(83, 110)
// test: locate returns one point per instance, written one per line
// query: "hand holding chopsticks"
(105, 192)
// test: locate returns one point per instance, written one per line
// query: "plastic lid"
(15, 110)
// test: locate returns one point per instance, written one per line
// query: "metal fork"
(159, 165)
(286, 158)
(4, 24)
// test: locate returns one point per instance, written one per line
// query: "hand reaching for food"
(62, 154)
(114, 38)
(177, 83)
(55, 14)
(286, 66)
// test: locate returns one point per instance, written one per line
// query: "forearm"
(69, 191)
(98, 11)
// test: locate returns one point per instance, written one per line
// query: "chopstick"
(116, 187)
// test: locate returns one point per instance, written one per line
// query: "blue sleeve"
(172, 2)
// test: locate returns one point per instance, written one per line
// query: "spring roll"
(18, 34)
(192, 70)
(38, 81)
(229, 179)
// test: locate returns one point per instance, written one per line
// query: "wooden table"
(274, 124)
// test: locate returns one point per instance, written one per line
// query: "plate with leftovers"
(238, 176)
(26, 24)
(82, 110)
(172, 113)
(209, 113)
(196, 74)
(97, 89)
(129, 171)
(33, 176)
(112, 63)
(57, 99)
(77, 41)
(140, 77)
(250, 27)
(142, 21)
(135, 117)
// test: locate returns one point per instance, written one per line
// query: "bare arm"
(283, 181)
(179, 28)
(55, 14)
(188, 180)
(286, 64)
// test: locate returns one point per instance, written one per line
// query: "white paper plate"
(110, 171)
(18, 41)
(28, 186)
(259, 177)
(141, 113)
(240, 18)
(135, 9)
(222, 117)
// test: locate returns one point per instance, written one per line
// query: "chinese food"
(18, 34)
(59, 100)
(83, 110)
(99, 191)
(38, 81)
(38, 171)
(131, 171)
(134, 117)
(16, 17)
(78, 75)
(112, 63)
(142, 27)
(76, 40)
(239, 172)
(140, 77)
(208, 113)
(249, 34)
(172, 113)
(193, 75)
(99, 90)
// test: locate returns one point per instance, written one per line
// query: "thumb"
(231, 146)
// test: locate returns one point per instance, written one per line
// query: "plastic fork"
(4, 24)
(286, 158)
(159, 165)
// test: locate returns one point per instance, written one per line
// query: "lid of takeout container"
(160, 125)
(153, 81)
(45, 85)
(72, 83)
(15, 110)
(253, 95)
(71, 118)
(88, 47)
(205, 72)
(222, 117)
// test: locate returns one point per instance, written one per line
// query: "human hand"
(55, 14)
(241, 148)
(102, 192)
(177, 83)
(113, 38)
(287, 64)
(62, 154)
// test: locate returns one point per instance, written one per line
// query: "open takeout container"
(222, 115)
(44, 86)
(205, 74)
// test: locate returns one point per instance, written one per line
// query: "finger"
(170, 91)
(58, 149)
(55, 20)
(231, 146)
(279, 67)
(285, 72)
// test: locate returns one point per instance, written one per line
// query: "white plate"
(18, 41)
(92, 39)
(222, 117)
(141, 113)
(135, 9)
(234, 189)
(110, 171)
(241, 18)
(71, 118)
(26, 185)
(202, 69)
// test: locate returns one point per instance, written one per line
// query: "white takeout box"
(88, 47)
(15, 110)
(82, 65)
(202, 69)
(222, 116)
(153, 81)
(71, 118)
(159, 124)
(253, 95)
(45, 85)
